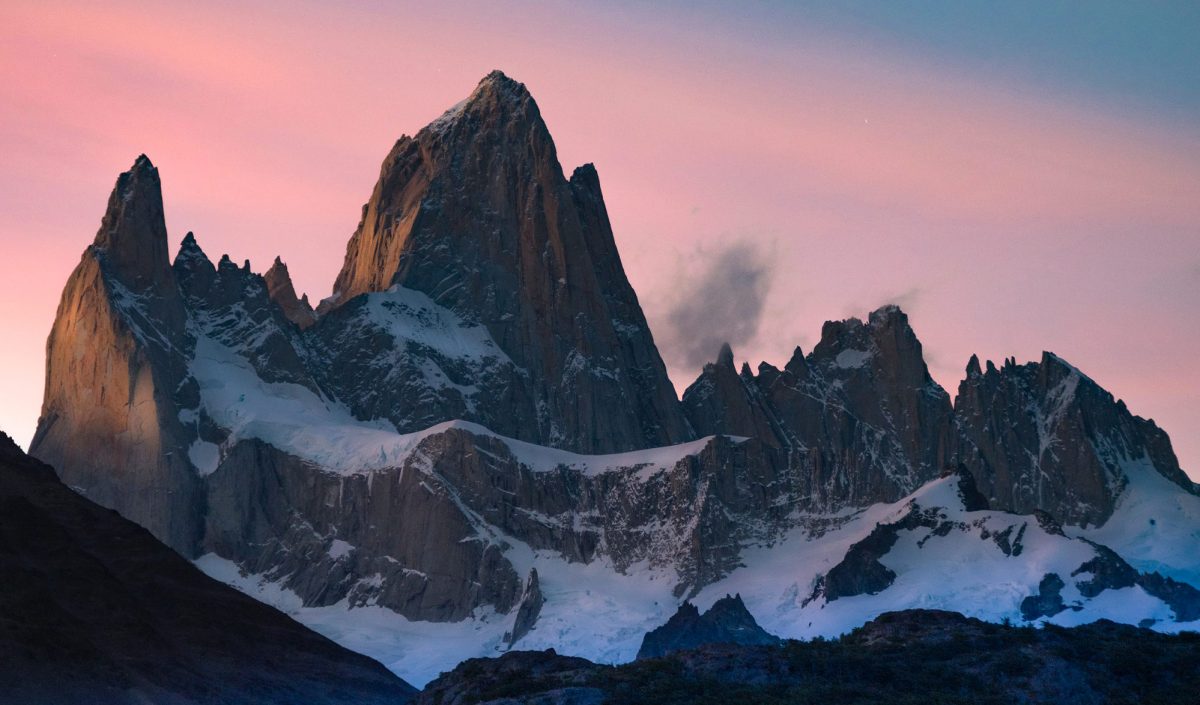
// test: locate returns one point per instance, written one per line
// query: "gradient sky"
(1018, 176)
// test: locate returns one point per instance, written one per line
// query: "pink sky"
(1006, 219)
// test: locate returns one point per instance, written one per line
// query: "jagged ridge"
(325, 457)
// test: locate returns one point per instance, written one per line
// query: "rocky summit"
(472, 445)
(476, 214)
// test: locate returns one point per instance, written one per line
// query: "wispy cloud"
(722, 304)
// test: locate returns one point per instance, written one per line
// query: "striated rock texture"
(95, 610)
(195, 408)
(726, 622)
(859, 419)
(724, 401)
(475, 212)
(1044, 436)
(414, 546)
(430, 538)
(116, 371)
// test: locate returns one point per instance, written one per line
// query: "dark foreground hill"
(915, 656)
(93, 609)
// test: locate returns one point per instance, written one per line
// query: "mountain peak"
(278, 268)
(133, 232)
(498, 80)
(495, 95)
(476, 213)
(283, 293)
(725, 356)
(888, 314)
(499, 88)
(189, 249)
(796, 364)
(193, 269)
(1049, 359)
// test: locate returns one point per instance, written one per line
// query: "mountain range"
(473, 446)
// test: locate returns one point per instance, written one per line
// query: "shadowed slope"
(94, 609)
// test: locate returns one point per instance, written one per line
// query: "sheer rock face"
(116, 371)
(96, 610)
(1044, 436)
(411, 546)
(281, 291)
(475, 212)
(429, 538)
(133, 232)
(860, 419)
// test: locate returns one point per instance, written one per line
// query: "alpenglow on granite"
(473, 443)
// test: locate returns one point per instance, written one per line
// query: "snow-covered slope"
(1154, 526)
(985, 564)
(321, 430)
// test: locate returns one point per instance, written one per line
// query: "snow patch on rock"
(205, 456)
(296, 420)
(1155, 526)
(852, 359)
(964, 570)
(410, 315)
(339, 549)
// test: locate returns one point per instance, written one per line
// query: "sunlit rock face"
(282, 292)
(475, 212)
(116, 371)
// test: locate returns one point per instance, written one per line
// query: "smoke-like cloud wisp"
(724, 304)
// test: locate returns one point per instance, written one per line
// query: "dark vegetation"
(915, 656)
